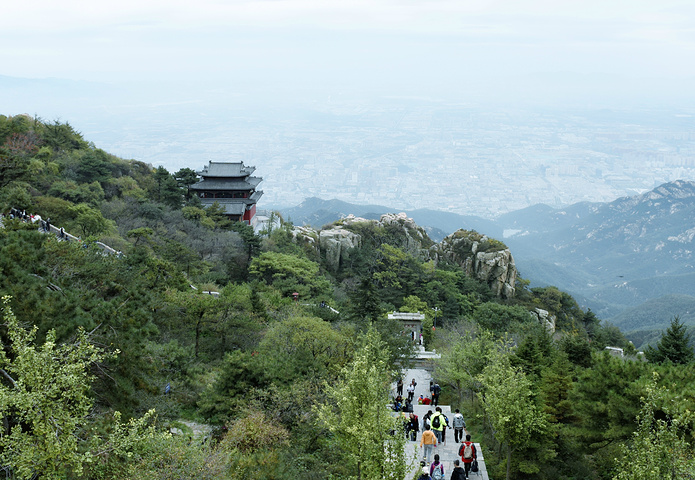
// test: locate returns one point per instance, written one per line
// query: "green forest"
(111, 364)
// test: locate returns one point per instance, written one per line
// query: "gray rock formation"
(416, 241)
(480, 257)
(335, 242)
(544, 318)
(483, 258)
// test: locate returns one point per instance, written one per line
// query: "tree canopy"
(674, 345)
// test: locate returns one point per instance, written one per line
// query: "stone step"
(447, 450)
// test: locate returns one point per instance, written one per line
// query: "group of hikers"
(45, 225)
(436, 469)
(22, 215)
(432, 399)
(434, 426)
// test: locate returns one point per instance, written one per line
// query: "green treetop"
(359, 418)
(673, 347)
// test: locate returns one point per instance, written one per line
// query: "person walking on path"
(458, 473)
(425, 474)
(459, 426)
(427, 441)
(467, 453)
(399, 387)
(436, 391)
(438, 422)
(437, 469)
(426, 420)
(447, 425)
(413, 427)
(411, 391)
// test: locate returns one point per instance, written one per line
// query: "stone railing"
(60, 232)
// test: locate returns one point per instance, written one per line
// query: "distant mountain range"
(612, 257)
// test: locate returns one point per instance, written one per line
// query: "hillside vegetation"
(195, 321)
(612, 257)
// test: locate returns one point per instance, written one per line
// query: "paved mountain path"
(447, 450)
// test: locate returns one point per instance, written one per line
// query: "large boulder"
(335, 242)
(481, 257)
(544, 318)
(415, 238)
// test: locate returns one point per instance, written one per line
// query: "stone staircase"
(447, 450)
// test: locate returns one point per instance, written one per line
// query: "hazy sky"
(408, 47)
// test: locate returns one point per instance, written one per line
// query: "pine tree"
(673, 347)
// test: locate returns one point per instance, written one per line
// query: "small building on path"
(231, 185)
(411, 322)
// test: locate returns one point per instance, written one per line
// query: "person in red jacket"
(468, 453)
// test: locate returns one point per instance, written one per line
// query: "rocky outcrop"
(481, 257)
(498, 270)
(415, 240)
(544, 318)
(306, 235)
(335, 242)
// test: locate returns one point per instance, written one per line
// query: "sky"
(506, 48)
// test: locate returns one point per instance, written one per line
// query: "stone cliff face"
(483, 258)
(544, 318)
(335, 242)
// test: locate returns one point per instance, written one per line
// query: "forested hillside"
(616, 258)
(195, 320)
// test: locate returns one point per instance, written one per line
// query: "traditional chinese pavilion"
(232, 186)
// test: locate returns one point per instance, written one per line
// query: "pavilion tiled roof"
(233, 208)
(226, 170)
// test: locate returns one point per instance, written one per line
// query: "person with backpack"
(427, 441)
(459, 426)
(438, 422)
(425, 475)
(408, 407)
(436, 391)
(437, 469)
(467, 453)
(426, 420)
(458, 473)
